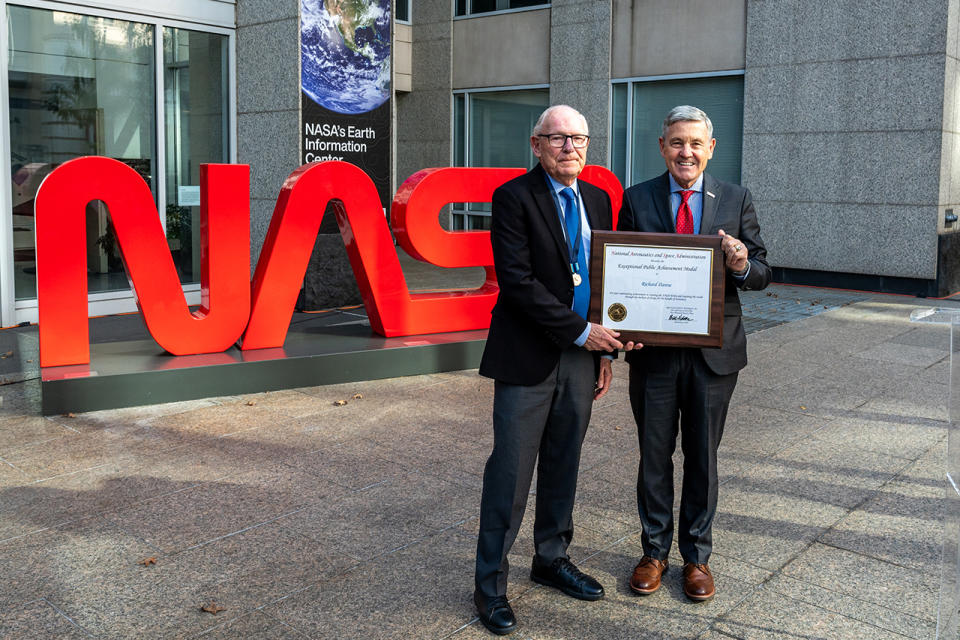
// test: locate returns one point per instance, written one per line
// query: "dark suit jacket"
(646, 207)
(532, 322)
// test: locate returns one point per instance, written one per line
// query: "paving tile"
(215, 420)
(20, 431)
(276, 444)
(823, 347)
(434, 576)
(612, 433)
(834, 474)
(119, 598)
(36, 506)
(213, 509)
(600, 521)
(910, 355)
(921, 335)
(764, 431)
(770, 370)
(895, 527)
(620, 470)
(291, 403)
(892, 436)
(259, 565)
(767, 528)
(768, 615)
(80, 452)
(37, 619)
(32, 506)
(843, 573)
(391, 515)
(254, 626)
(10, 476)
(774, 509)
(57, 563)
(353, 464)
(936, 374)
(95, 420)
(155, 602)
(813, 396)
(929, 470)
(438, 443)
(913, 398)
(610, 500)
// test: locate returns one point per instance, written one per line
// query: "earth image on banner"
(345, 53)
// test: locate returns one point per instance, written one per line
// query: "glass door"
(150, 93)
(79, 85)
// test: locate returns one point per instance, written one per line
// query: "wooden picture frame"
(652, 286)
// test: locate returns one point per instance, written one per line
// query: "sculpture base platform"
(128, 373)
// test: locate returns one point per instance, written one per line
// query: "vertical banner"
(345, 85)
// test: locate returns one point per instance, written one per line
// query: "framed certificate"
(661, 289)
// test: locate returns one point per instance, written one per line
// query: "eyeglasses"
(557, 140)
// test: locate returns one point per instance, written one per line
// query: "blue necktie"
(571, 218)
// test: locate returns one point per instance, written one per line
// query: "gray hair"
(686, 113)
(538, 128)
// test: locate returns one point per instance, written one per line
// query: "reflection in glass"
(195, 132)
(78, 85)
(485, 6)
(618, 126)
(500, 124)
(721, 98)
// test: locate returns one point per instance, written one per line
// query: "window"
(195, 130)
(492, 129)
(471, 7)
(402, 11)
(89, 85)
(637, 112)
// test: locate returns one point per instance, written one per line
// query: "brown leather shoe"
(646, 576)
(698, 581)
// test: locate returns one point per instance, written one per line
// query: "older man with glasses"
(544, 357)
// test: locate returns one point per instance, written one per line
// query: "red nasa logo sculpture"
(258, 313)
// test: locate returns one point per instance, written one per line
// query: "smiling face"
(686, 149)
(565, 163)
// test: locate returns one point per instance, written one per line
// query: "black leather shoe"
(495, 614)
(564, 575)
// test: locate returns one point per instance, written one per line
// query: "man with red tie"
(688, 390)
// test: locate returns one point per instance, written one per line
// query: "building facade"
(840, 116)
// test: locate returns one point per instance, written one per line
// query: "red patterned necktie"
(684, 215)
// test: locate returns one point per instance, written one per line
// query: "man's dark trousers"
(678, 378)
(692, 384)
(549, 419)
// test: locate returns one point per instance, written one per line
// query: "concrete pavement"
(297, 518)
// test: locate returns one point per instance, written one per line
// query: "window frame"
(455, 212)
(409, 19)
(496, 12)
(13, 311)
(630, 82)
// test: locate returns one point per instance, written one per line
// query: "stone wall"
(843, 133)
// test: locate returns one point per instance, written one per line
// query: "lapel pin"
(711, 195)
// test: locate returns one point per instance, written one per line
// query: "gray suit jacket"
(727, 206)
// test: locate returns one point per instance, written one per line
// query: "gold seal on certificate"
(617, 312)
